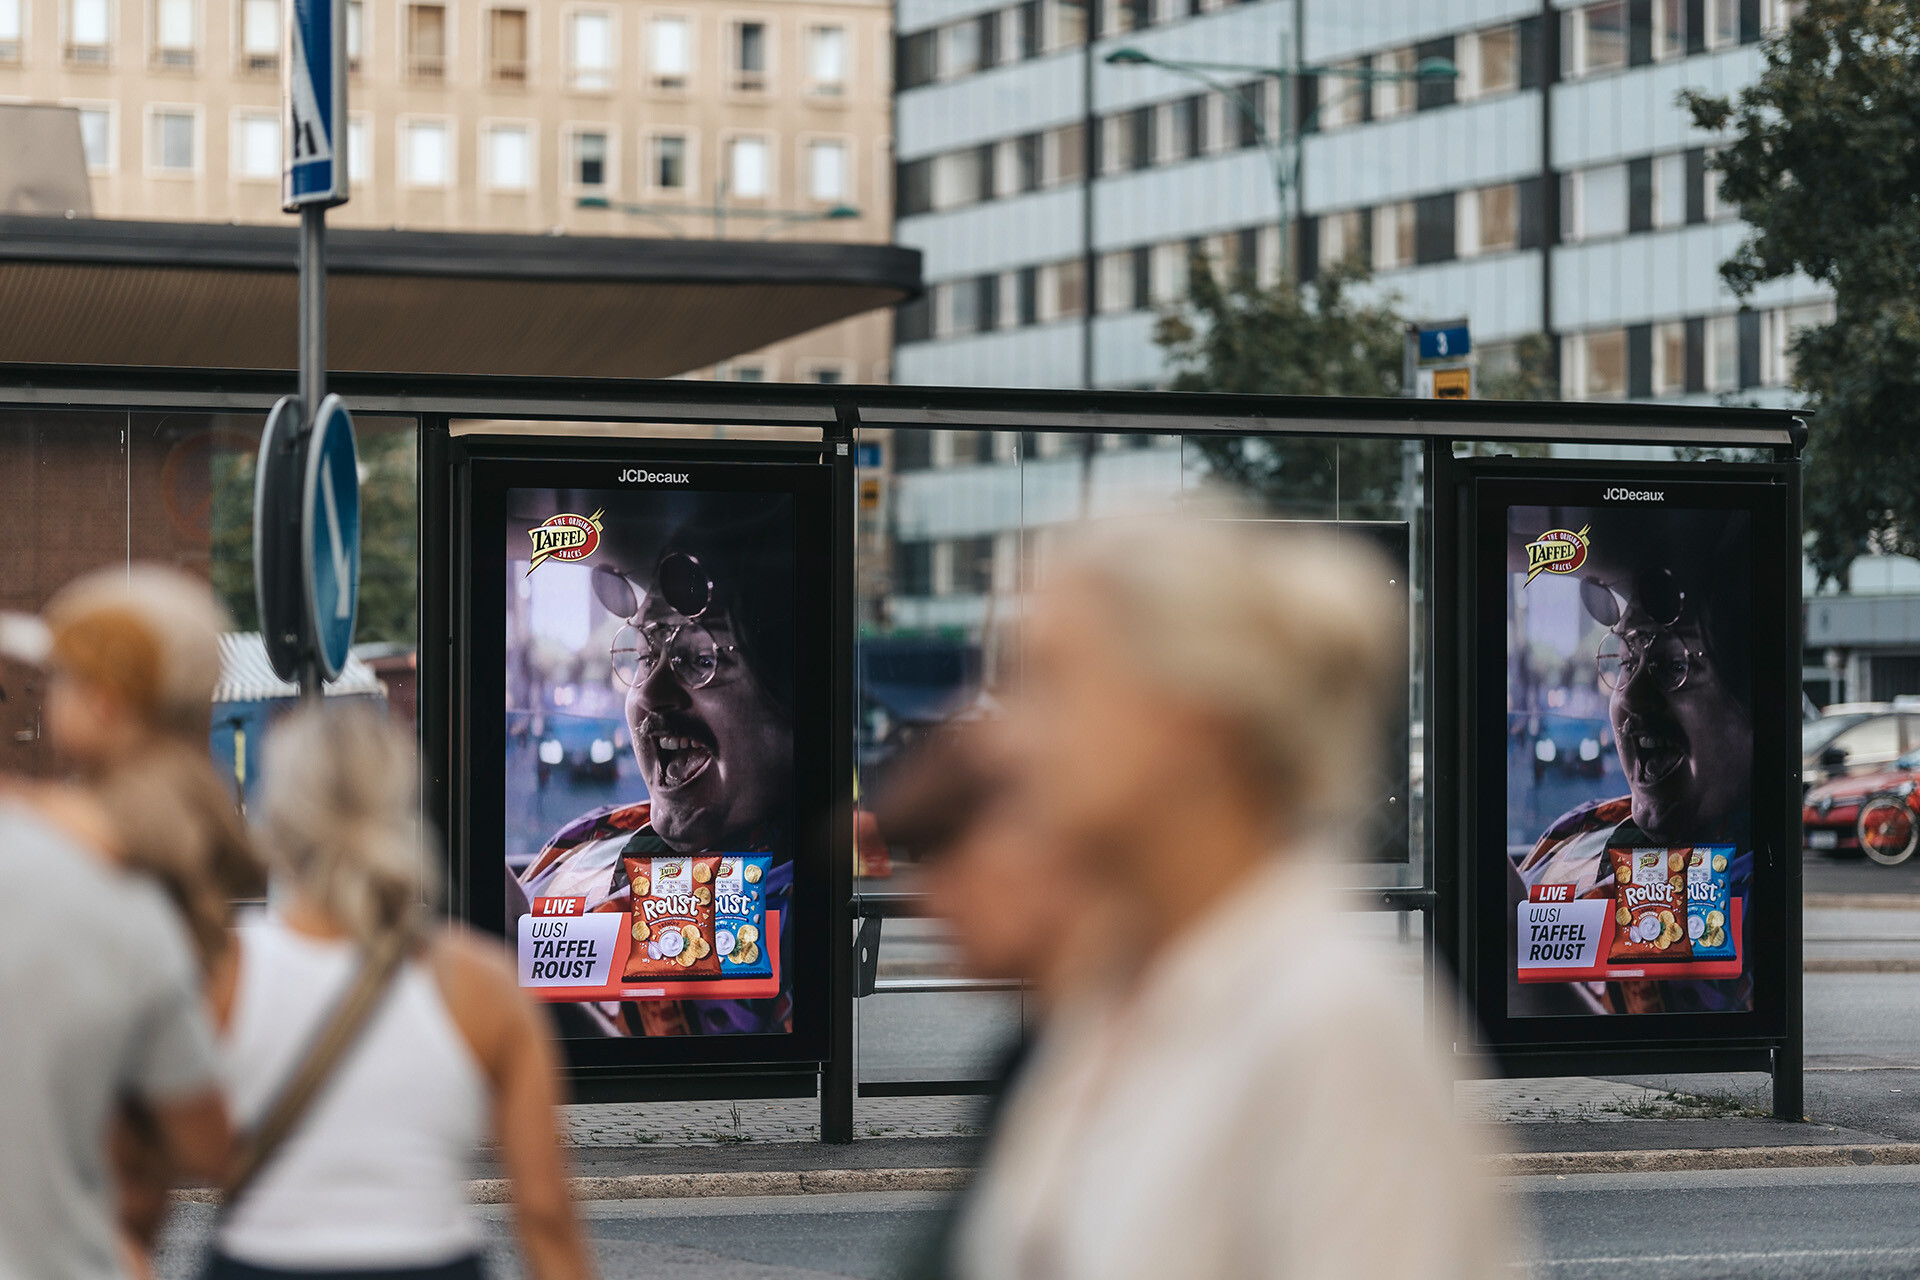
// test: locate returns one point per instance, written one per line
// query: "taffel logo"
(1634, 495)
(564, 537)
(640, 475)
(1557, 551)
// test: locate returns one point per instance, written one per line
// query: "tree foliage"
(1824, 161)
(388, 518)
(1319, 339)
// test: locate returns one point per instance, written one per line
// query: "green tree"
(1318, 339)
(1823, 159)
(1531, 374)
(388, 543)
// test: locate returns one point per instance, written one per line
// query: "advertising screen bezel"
(486, 472)
(1494, 486)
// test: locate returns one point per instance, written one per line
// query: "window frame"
(109, 107)
(158, 52)
(70, 47)
(846, 145)
(690, 149)
(662, 82)
(528, 129)
(578, 72)
(769, 150)
(22, 38)
(418, 68)
(571, 132)
(740, 80)
(150, 118)
(404, 126)
(814, 85)
(529, 58)
(249, 60)
(237, 119)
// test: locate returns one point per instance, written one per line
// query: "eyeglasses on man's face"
(688, 649)
(1659, 653)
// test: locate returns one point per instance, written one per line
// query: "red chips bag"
(1650, 905)
(672, 920)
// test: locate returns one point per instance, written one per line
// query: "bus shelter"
(1588, 824)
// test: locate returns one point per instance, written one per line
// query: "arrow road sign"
(330, 535)
(278, 471)
(313, 103)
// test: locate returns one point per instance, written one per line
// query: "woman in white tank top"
(372, 1180)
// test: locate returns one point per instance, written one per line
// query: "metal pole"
(1089, 162)
(313, 363)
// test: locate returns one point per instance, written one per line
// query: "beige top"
(1262, 1104)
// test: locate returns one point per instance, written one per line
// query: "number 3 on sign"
(1441, 339)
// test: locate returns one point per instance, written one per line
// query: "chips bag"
(672, 919)
(740, 916)
(1650, 904)
(1709, 918)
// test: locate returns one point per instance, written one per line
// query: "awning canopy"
(247, 676)
(212, 296)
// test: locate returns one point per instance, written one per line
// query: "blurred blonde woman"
(132, 655)
(371, 1180)
(1242, 1093)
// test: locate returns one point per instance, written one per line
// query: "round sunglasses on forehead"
(1656, 650)
(679, 579)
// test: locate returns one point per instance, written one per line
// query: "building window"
(427, 41)
(959, 51)
(590, 159)
(170, 145)
(88, 22)
(1342, 99)
(1490, 62)
(1723, 23)
(429, 153)
(1723, 353)
(1066, 24)
(1397, 96)
(827, 60)
(1597, 364)
(256, 145)
(507, 46)
(1779, 329)
(1393, 236)
(1064, 289)
(747, 169)
(1594, 202)
(669, 52)
(173, 34)
(260, 36)
(356, 35)
(1670, 190)
(359, 149)
(750, 56)
(509, 157)
(1669, 29)
(1593, 39)
(669, 166)
(827, 170)
(96, 138)
(591, 50)
(12, 33)
(1670, 358)
(1065, 154)
(1496, 214)
(1343, 238)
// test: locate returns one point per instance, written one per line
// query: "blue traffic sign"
(313, 104)
(1445, 344)
(330, 535)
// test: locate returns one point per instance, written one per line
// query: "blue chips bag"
(1709, 915)
(740, 916)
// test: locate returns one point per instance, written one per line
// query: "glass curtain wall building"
(1523, 164)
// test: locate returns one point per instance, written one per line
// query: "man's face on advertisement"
(1687, 751)
(717, 758)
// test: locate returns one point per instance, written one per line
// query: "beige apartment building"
(577, 117)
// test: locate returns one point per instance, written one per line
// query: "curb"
(690, 1186)
(1849, 964)
(1861, 901)
(1533, 1164)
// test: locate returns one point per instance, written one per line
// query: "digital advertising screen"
(1630, 657)
(656, 654)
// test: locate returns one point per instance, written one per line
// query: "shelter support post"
(838, 1078)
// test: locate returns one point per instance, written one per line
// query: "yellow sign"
(1452, 384)
(870, 493)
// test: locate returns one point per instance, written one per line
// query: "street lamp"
(1282, 153)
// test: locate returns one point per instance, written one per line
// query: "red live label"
(559, 906)
(1550, 893)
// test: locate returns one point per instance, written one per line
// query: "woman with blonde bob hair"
(1233, 1087)
(371, 1178)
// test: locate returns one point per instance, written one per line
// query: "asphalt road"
(1756, 1224)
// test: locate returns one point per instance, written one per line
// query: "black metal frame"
(836, 413)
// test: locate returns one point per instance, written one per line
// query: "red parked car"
(1876, 813)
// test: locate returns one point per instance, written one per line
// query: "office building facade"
(597, 118)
